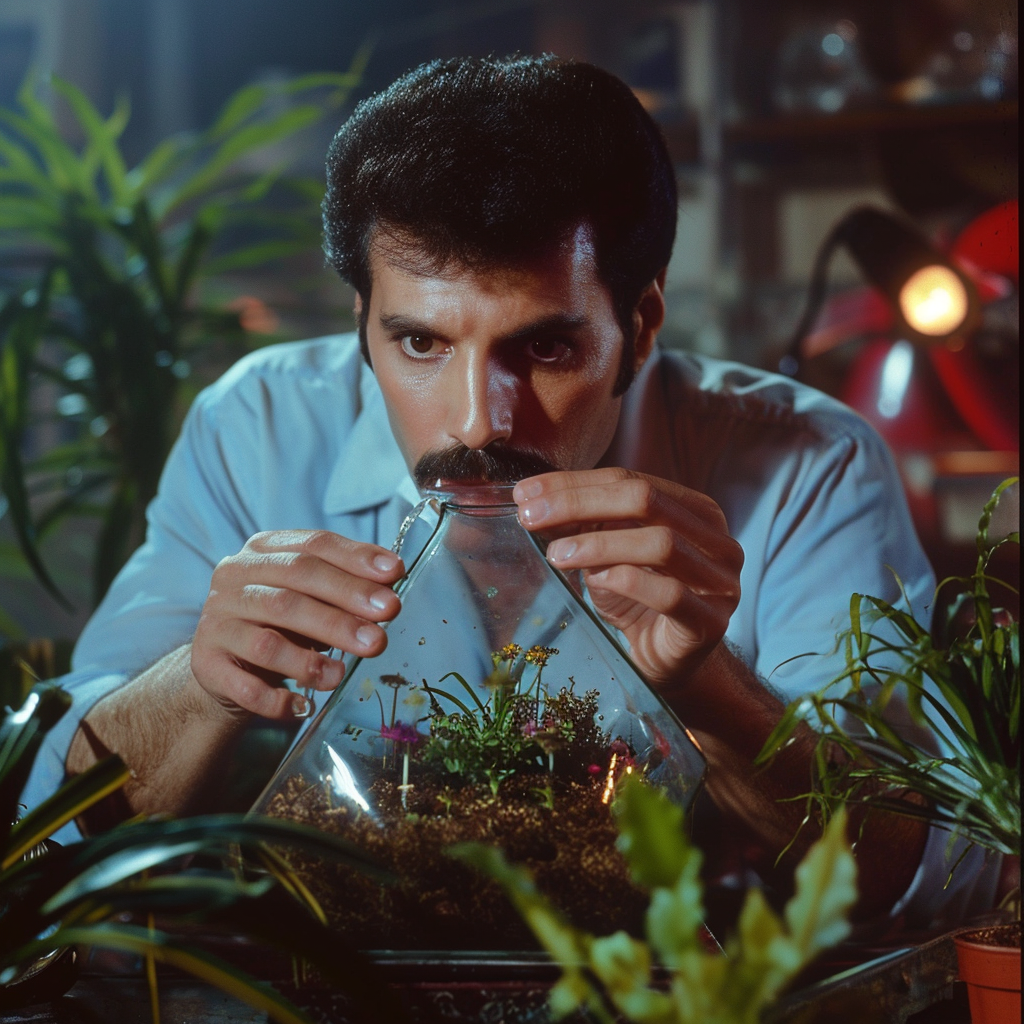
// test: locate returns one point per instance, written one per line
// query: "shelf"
(869, 120)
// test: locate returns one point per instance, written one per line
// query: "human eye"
(549, 349)
(420, 346)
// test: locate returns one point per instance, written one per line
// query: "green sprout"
(520, 727)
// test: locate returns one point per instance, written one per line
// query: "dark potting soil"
(441, 904)
(1004, 935)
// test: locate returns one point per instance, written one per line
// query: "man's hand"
(657, 558)
(275, 606)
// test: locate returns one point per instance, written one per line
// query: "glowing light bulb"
(934, 301)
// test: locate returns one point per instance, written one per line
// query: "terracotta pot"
(992, 973)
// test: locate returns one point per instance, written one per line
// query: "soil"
(560, 829)
(1006, 936)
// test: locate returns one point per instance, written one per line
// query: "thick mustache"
(495, 465)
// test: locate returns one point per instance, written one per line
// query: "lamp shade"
(932, 298)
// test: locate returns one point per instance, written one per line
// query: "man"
(506, 225)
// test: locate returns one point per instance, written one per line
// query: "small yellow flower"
(508, 653)
(538, 655)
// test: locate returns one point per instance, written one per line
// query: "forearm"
(732, 713)
(170, 733)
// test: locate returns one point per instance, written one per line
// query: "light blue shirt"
(296, 436)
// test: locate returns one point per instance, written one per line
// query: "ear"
(357, 307)
(648, 316)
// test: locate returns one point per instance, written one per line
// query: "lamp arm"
(790, 363)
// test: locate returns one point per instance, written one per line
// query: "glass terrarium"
(501, 711)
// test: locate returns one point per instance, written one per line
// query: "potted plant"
(671, 976)
(100, 300)
(961, 683)
(56, 898)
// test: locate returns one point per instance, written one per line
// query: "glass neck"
(469, 497)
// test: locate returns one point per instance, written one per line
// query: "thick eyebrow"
(399, 323)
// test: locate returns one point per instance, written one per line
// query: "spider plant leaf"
(159, 164)
(22, 334)
(451, 696)
(101, 134)
(21, 733)
(21, 212)
(257, 254)
(77, 795)
(38, 128)
(200, 235)
(985, 521)
(238, 144)
(168, 950)
(140, 231)
(289, 880)
(20, 167)
(794, 715)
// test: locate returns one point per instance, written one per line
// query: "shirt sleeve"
(846, 530)
(198, 516)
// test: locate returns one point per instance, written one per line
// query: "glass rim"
(465, 496)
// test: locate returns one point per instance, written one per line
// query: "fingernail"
(561, 550)
(526, 489)
(301, 707)
(385, 563)
(535, 512)
(366, 635)
(379, 601)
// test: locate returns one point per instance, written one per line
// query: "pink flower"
(401, 733)
(594, 769)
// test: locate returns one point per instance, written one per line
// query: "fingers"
(243, 687)
(554, 500)
(276, 605)
(623, 593)
(658, 548)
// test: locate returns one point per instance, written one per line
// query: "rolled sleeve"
(47, 775)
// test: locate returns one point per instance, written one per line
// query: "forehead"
(568, 262)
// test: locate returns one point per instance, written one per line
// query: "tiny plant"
(520, 727)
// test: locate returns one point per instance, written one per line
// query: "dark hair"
(493, 161)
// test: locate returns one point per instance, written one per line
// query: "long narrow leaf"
(76, 796)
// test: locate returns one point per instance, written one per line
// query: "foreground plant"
(963, 687)
(52, 897)
(672, 977)
(105, 305)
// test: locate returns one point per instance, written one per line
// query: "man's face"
(511, 362)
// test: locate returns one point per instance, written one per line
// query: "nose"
(481, 403)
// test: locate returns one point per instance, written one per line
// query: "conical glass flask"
(502, 711)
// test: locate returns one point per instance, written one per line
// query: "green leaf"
(826, 889)
(675, 915)
(21, 734)
(559, 938)
(240, 144)
(162, 947)
(258, 254)
(102, 135)
(73, 798)
(651, 835)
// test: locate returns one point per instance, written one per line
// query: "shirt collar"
(370, 470)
